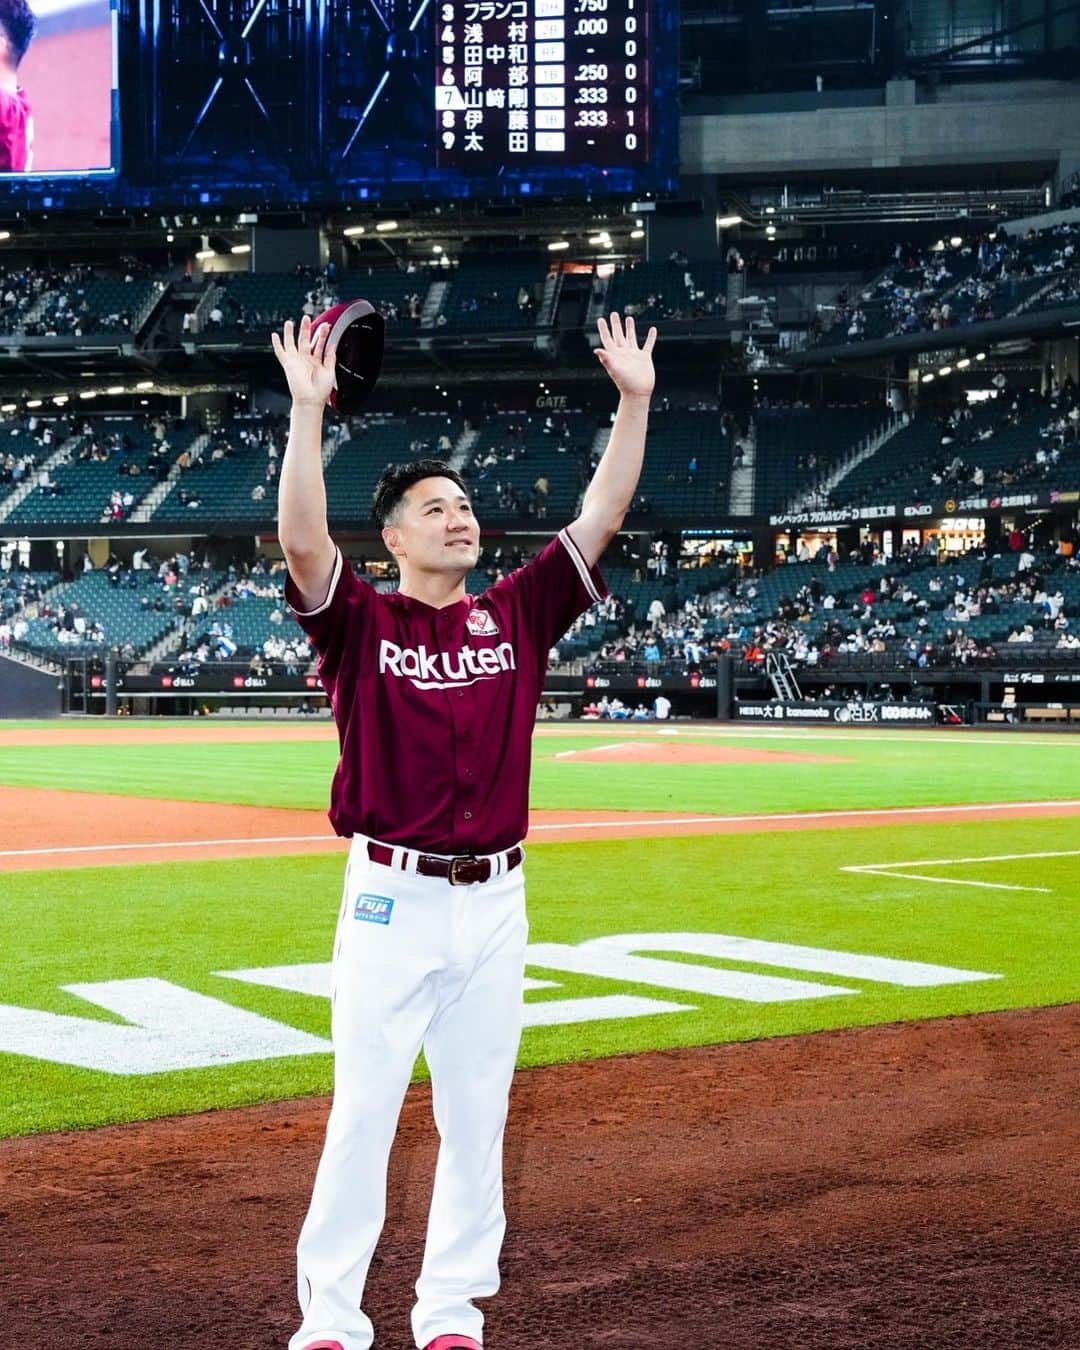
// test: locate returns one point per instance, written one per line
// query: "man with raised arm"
(434, 692)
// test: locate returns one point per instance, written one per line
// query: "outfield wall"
(26, 691)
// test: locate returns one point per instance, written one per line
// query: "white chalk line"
(1060, 740)
(889, 869)
(618, 823)
(592, 750)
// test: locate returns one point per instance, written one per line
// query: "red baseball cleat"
(453, 1343)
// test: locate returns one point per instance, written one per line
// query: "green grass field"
(1001, 913)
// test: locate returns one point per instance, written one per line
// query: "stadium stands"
(376, 442)
(1010, 442)
(485, 295)
(688, 465)
(796, 447)
(976, 280)
(676, 289)
(524, 464)
(111, 465)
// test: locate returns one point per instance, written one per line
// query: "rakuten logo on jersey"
(445, 670)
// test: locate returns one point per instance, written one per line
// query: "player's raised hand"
(629, 365)
(308, 362)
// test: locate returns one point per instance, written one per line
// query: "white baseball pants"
(417, 962)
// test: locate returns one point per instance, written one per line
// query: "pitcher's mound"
(665, 752)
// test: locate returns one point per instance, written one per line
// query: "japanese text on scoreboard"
(541, 81)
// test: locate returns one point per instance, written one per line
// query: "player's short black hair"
(397, 479)
(18, 25)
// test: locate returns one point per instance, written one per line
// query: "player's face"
(437, 530)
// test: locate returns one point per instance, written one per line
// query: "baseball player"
(434, 692)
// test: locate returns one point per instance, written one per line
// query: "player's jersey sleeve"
(339, 618)
(552, 589)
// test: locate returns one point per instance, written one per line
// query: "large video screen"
(290, 102)
(57, 63)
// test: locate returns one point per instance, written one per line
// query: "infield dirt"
(890, 1188)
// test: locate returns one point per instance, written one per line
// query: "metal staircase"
(741, 495)
(462, 450)
(782, 677)
(597, 305)
(433, 304)
(819, 494)
(549, 300)
(153, 499)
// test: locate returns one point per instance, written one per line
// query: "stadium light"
(385, 226)
(5, 234)
(240, 248)
(351, 231)
(637, 234)
(145, 384)
(770, 230)
(7, 407)
(944, 370)
(33, 403)
(963, 363)
(727, 222)
(980, 356)
(956, 241)
(60, 400)
(436, 248)
(928, 378)
(204, 253)
(598, 239)
(558, 245)
(88, 393)
(170, 238)
(115, 389)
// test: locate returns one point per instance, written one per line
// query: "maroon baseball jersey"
(435, 708)
(16, 131)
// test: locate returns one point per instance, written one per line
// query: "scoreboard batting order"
(530, 81)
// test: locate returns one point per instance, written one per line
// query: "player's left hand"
(629, 365)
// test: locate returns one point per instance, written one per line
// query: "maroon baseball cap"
(356, 332)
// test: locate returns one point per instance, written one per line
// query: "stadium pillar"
(110, 685)
(764, 545)
(724, 688)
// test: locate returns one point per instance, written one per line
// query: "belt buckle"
(453, 877)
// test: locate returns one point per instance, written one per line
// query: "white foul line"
(172, 843)
(619, 823)
(889, 869)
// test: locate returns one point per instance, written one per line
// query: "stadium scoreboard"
(340, 102)
(529, 82)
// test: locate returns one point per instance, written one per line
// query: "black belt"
(461, 871)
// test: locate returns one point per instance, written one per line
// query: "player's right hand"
(308, 362)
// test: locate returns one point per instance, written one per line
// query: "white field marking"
(889, 869)
(791, 732)
(592, 750)
(166, 1028)
(171, 843)
(314, 978)
(966, 808)
(619, 823)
